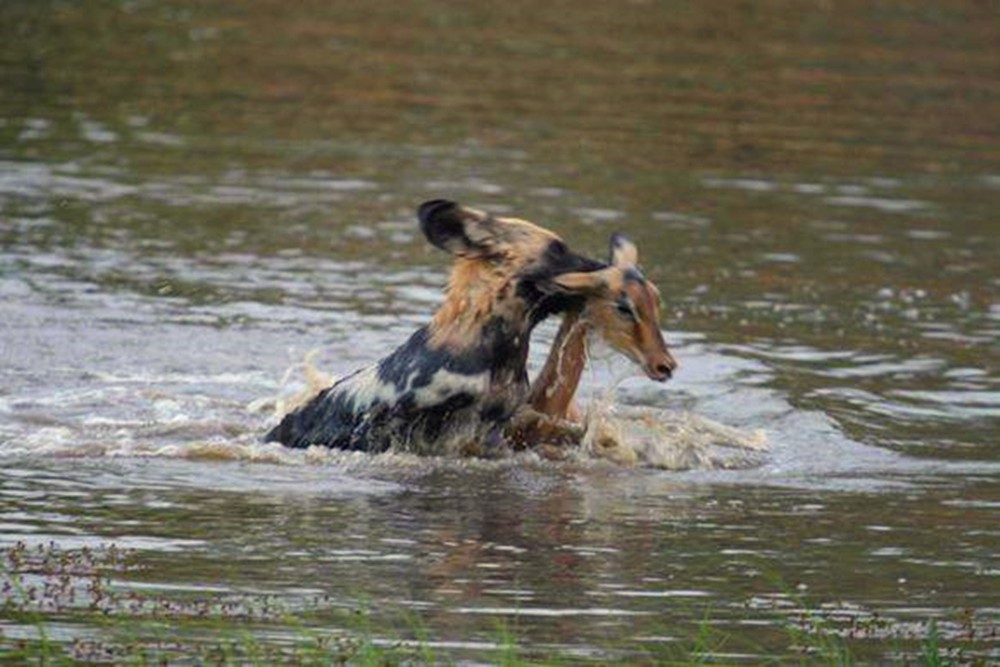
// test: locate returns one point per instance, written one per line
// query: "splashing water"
(661, 438)
(315, 382)
(669, 439)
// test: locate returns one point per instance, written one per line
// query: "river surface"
(193, 196)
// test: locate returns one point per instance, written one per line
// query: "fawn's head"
(623, 308)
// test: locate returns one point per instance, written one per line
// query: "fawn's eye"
(626, 309)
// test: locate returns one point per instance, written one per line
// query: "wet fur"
(450, 387)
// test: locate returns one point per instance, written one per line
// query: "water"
(194, 197)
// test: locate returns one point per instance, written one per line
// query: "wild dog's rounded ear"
(623, 251)
(586, 282)
(459, 230)
(440, 223)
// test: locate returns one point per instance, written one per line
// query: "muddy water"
(193, 197)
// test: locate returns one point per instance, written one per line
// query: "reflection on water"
(598, 557)
(193, 196)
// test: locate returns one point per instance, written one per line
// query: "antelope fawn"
(622, 308)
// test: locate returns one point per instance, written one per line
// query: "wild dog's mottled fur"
(456, 380)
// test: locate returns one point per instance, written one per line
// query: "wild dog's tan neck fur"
(477, 290)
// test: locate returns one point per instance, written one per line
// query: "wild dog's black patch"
(328, 419)
(416, 362)
(494, 411)
(537, 288)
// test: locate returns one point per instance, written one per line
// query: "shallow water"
(194, 197)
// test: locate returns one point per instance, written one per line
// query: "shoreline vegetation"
(46, 590)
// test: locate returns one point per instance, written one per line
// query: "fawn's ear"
(589, 283)
(461, 231)
(623, 251)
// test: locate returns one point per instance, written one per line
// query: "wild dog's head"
(622, 307)
(505, 270)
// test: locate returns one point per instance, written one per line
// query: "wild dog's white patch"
(366, 389)
(445, 384)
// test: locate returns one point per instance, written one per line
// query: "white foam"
(671, 440)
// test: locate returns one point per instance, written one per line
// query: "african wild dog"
(622, 308)
(457, 380)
